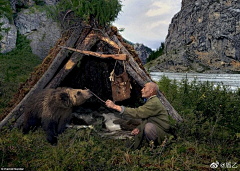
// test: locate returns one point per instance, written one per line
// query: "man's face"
(147, 91)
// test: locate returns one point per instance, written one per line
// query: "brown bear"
(52, 109)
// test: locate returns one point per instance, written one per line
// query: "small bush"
(102, 11)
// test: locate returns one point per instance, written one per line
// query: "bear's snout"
(86, 94)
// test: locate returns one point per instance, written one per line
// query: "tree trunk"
(109, 41)
(97, 54)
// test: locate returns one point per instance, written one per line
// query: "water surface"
(231, 80)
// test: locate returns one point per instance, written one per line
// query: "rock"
(200, 69)
(9, 38)
(21, 4)
(143, 52)
(50, 2)
(42, 31)
(205, 30)
(28, 21)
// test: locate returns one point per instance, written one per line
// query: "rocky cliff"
(204, 37)
(40, 29)
(143, 52)
(32, 22)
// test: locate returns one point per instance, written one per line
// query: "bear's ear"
(65, 99)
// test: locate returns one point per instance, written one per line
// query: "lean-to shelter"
(67, 68)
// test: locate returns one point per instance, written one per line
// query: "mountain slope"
(204, 37)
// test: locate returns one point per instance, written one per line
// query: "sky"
(147, 21)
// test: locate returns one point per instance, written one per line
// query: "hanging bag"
(120, 85)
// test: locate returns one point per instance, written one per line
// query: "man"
(155, 122)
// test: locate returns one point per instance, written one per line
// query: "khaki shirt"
(151, 112)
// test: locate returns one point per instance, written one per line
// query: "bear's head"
(75, 97)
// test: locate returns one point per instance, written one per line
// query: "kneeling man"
(155, 121)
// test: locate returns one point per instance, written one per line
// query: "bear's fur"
(52, 109)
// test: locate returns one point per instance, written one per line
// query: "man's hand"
(110, 104)
(135, 131)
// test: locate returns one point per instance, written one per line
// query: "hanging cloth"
(120, 85)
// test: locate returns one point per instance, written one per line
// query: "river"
(231, 80)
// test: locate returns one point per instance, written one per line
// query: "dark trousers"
(150, 132)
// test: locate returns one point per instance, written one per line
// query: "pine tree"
(157, 53)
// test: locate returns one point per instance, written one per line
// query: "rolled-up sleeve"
(122, 109)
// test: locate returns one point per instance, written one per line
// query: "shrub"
(213, 111)
(102, 11)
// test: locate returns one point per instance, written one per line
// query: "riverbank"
(174, 62)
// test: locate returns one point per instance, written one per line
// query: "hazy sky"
(147, 21)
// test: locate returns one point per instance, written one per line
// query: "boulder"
(40, 29)
(9, 36)
(50, 2)
(21, 4)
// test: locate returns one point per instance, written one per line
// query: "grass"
(203, 138)
(210, 131)
(15, 68)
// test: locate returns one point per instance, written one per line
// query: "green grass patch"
(15, 68)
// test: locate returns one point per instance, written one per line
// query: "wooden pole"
(109, 41)
(114, 56)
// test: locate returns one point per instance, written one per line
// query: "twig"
(95, 95)
(66, 15)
